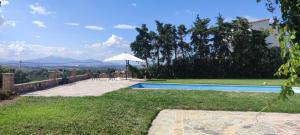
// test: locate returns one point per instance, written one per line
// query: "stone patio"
(199, 122)
(88, 87)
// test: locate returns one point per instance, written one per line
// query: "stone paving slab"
(199, 122)
(88, 87)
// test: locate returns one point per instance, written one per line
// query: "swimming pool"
(215, 87)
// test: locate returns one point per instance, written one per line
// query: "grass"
(277, 82)
(125, 111)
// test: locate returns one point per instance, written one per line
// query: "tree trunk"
(175, 52)
(182, 51)
(147, 64)
(157, 69)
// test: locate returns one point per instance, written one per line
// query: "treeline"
(225, 50)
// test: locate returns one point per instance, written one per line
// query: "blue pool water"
(215, 87)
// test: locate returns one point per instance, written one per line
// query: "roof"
(261, 20)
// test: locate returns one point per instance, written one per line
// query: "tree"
(221, 38)
(141, 47)
(21, 77)
(199, 39)
(220, 49)
(241, 43)
(258, 52)
(289, 39)
(183, 46)
(228, 49)
(166, 40)
(156, 49)
(173, 35)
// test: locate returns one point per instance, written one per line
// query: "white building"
(264, 24)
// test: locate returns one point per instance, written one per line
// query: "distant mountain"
(60, 61)
(52, 59)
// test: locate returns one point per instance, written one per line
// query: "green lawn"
(126, 111)
(222, 81)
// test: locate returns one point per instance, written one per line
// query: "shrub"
(21, 77)
(138, 73)
(7, 94)
(64, 79)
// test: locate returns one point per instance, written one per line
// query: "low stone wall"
(103, 75)
(78, 78)
(116, 75)
(35, 86)
(41, 85)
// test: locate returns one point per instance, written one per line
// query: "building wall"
(265, 25)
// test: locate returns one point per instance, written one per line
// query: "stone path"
(84, 88)
(198, 122)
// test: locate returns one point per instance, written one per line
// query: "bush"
(64, 79)
(7, 94)
(138, 73)
(21, 77)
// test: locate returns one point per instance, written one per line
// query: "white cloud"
(112, 40)
(133, 4)
(39, 24)
(250, 18)
(17, 50)
(110, 47)
(6, 23)
(72, 24)
(10, 23)
(22, 50)
(124, 26)
(38, 9)
(4, 2)
(94, 27)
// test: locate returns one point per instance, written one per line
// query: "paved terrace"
(85, 88)
(198, 122)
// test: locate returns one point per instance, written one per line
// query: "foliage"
(7, 94)
(221, 39)
(183, 46)
(64, 78)
(136, 72)
(289, 38)
(199, 39)
(38, 74)
(21, 77)
(226, 50)
(167, 40)
(141, 47)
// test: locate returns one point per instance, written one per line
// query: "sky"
(98, 29)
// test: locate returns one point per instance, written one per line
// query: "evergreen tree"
(142, 47)
(200, 37)
(183, 46)
(221, 39)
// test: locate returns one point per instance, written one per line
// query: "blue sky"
(98, 29)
